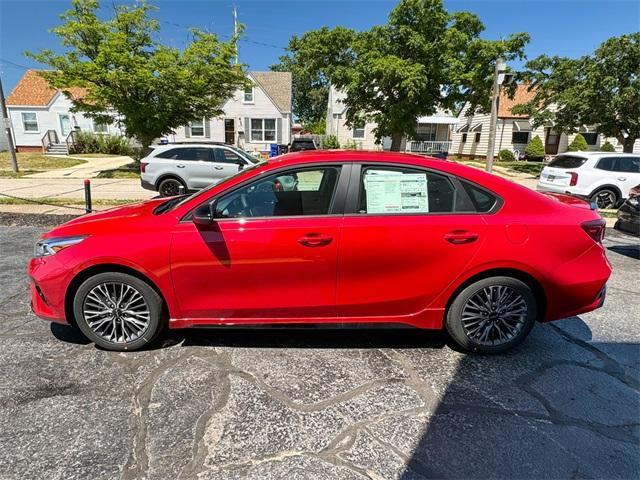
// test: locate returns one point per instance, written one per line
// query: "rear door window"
(385, 190)
(187, 154)
(567, 161)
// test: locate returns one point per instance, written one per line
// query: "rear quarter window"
(482, 200)
(567, 161)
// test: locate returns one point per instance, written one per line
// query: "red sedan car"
(329, 237)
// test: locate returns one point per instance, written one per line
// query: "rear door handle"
(622, 179)
(218, 167)
(315, 240)
(180, 165)
(459, 237)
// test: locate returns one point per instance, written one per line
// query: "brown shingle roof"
(34, 91)
(505, 104)
(277, 85)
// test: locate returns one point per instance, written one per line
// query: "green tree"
(506, 155)
(422, 59)
(602, 90)
(579, 144)
(310, 89)
(607, 147)
(330, 142)
(154, 87)
(534, 150)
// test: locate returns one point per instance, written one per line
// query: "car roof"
(592, 154)
(189, 145)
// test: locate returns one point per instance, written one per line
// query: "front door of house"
(552, 141)
(229, 131)
(65, 124)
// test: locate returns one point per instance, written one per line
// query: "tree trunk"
(627, 145)
(396, 142)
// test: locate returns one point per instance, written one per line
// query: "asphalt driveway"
(320, 404)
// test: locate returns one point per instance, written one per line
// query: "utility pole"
(235, 30)
(493, 123)
(7, 130)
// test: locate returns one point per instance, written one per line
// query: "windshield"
(175, 202)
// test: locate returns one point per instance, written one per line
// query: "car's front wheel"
(492, 315)
(118, 311)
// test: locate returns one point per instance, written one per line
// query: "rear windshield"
(567, 161)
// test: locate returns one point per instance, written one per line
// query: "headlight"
(633, 201)
(50, 246)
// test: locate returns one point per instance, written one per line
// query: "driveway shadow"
(632, 251)
(555, 407)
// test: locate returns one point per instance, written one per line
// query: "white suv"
(192, 166)
(602, 177)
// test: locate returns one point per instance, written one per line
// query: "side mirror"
(241, 165)
(205, 214)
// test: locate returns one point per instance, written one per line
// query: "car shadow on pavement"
(632, 251)
(557, 406)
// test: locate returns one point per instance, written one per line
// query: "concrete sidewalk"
(101, 188)
(90, 169)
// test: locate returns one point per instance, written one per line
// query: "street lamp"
(498, 78)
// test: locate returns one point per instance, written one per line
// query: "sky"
(560, 27)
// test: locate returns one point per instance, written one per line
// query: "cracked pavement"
(321, 404)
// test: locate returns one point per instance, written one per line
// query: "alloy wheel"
(116, 312)
(170, 188)
(605, 199)
(494, 315)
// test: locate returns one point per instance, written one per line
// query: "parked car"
(629, 213)
(300, 144)
(190, 166)
(598, 176)
(355, 237)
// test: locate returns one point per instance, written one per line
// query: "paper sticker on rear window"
(395, 192)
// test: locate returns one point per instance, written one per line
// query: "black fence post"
(87, 196)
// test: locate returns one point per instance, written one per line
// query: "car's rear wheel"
(605, 198)
(492, 315)
(118, 311)
(170, 187)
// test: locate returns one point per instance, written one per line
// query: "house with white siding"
(433, 133)
(253, 119)
(41, 116)
(471, 134)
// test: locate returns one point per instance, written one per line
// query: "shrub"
(506, 155)
(579, 144)
(350, 145)
(87, 142)
(330, 142)
(607, 147)
(534, 150)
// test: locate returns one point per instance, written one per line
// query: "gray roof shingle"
(277, 85)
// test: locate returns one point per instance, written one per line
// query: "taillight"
(595, 229)
(574, 179)
(143, 167)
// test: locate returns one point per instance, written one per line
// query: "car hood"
(105, 220)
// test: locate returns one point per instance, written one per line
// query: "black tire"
(605, 197)
(151, 299)
(459, 333)
(170, 187)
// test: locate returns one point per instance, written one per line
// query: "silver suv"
(192, 166)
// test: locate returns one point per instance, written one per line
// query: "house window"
(30, 122)
(477, 139)
(426, 132)
(520, 137)
(197, 128)
(100, 127)
(358, 129)
(464, 138)
(591, 138)
(248, 95)
(263, 129)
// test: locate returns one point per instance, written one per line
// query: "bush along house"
(514, 132)
(41, 116)
(253, 118)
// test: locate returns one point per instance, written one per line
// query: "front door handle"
(622, 179)
(180, 165)
(315, 240)
(459, 237)
(218, 167)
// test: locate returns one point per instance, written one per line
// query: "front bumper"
(49, 280)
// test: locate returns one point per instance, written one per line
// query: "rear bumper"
(578, 286)
(549, 187)
(147, 185)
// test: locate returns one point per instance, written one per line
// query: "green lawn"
(33, 163)
(94, 155)
(532, 168)
(62, 201)
(130, 170)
